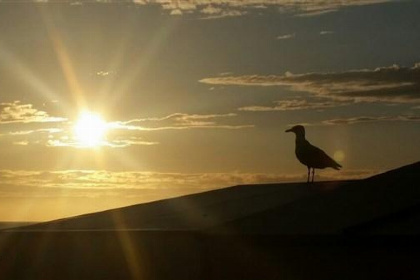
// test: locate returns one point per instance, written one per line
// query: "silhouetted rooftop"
(387, 203)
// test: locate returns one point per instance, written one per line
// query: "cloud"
(59, 136)
(176, 12)
(32, 126)
(224, 8)
(215, 11)
(178, 121)
(98, 183)
(16, 112)
(21, 143)
(35, 136)
(122, 143)
(211, 10)
(27, 132)
(384, 84)
(326, 32)
(112, 143)
(294, 104)
(220, 7)
(367, 119)
(228, 13)
(65, 139)
(117, 131)
(104, 73)
(286, 36)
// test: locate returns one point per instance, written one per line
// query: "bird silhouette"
(309, 155)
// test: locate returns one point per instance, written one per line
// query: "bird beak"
(289, 130)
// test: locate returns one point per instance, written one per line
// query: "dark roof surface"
(387, 203)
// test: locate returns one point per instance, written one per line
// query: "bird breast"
(301, 152)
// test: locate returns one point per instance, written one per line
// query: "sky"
(112, 103)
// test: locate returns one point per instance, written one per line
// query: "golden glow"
(90, 130)
(339, 156)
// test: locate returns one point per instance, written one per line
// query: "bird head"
(299, 130)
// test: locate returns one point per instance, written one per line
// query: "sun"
(90, 130)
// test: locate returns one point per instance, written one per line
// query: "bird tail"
(337, 166)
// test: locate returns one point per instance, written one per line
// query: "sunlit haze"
(110, 104)
(90, 130)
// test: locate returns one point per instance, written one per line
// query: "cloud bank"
(15, 112)
(368, 119)
(394, 84)
(223, 8)
(362, 119)
(236, 7)
(31, 126)
(180, 121)
(294, 104)
(94, 183)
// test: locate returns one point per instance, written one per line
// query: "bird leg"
(309, 174)
(313, 174)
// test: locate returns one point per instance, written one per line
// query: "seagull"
(309, 155)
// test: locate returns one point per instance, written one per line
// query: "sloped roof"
(388, 203)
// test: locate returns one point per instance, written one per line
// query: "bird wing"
(317, 158)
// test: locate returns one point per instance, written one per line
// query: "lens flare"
(90, 130)
(339, 156)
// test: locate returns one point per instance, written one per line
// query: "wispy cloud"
(36, 136)
(383, 84)
(104, 73)
(119, 134)
(15, 112)
(118, 138)
(109, 142)
(326, 32)
(130, 141)
(219, 7)
(179, 121)
(27, 132)
(21, 143)
(94, 183)
(285, 36)
(223, 8)
(214, 11)
(362, 119)
(368, 119)
(295, 104)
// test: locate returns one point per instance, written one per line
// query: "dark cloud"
(236, 7)
(385, 84)
(295, 104)
(222, 8)
(367, 119)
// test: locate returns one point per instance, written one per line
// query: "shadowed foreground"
(365, 229)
